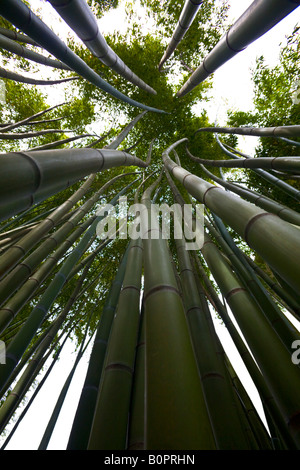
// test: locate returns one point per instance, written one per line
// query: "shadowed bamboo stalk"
(217, 389)
(110, 423)
(59, 142)
(276, 163)
(17, 252)
(45, 172)
(284, 380)
(186, 18)
(17, 36)
(27, 120)
(22, 17)
(80, 432)
(176, 417)
(136, 424)
(80, 18)
(32, 81)
(23, 338)
(254, 372)
(22, 51)
(274, 239)
(278, 131)
(28, 135)
(27, 290)
(23, 270)
(36, 362)
(281, 325)
(291, 302)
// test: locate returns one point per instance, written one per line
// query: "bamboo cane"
(110, 423)
(80, 432)
(173, 413)
(80, 18)
(22, 51)
(186, 18)
(22, 17)
(32, 81)
(251, 321)
(259, 18)
(274, 239)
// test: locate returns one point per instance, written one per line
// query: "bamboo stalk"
(23, 18)
(80, 432)
(282, 380)
(80, 18)
(45, 172)
(32, 81)
(22, 51)
(110, 423)
(259, 18)
(263, 202)
(176, 417)
(186, 18)
(274, 239)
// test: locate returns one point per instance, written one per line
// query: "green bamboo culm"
(81, 427)
(110, 423)
(274, 239)
(19, 344)
(176, 416)
(283, 380)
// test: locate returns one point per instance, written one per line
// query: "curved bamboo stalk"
(83, 419)
(22, 17)
(110, 423)
(59, 142)
(269, 205)
(170, 359)
(280, 131)
(276, 163)
(17, 36)
(77, 14)
(254, 225)
(259, 18)
(29, 135)
(27, 120)
(186, 18)
(21, 51)
(31, 81)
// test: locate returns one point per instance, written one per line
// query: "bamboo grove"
(158, 376)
